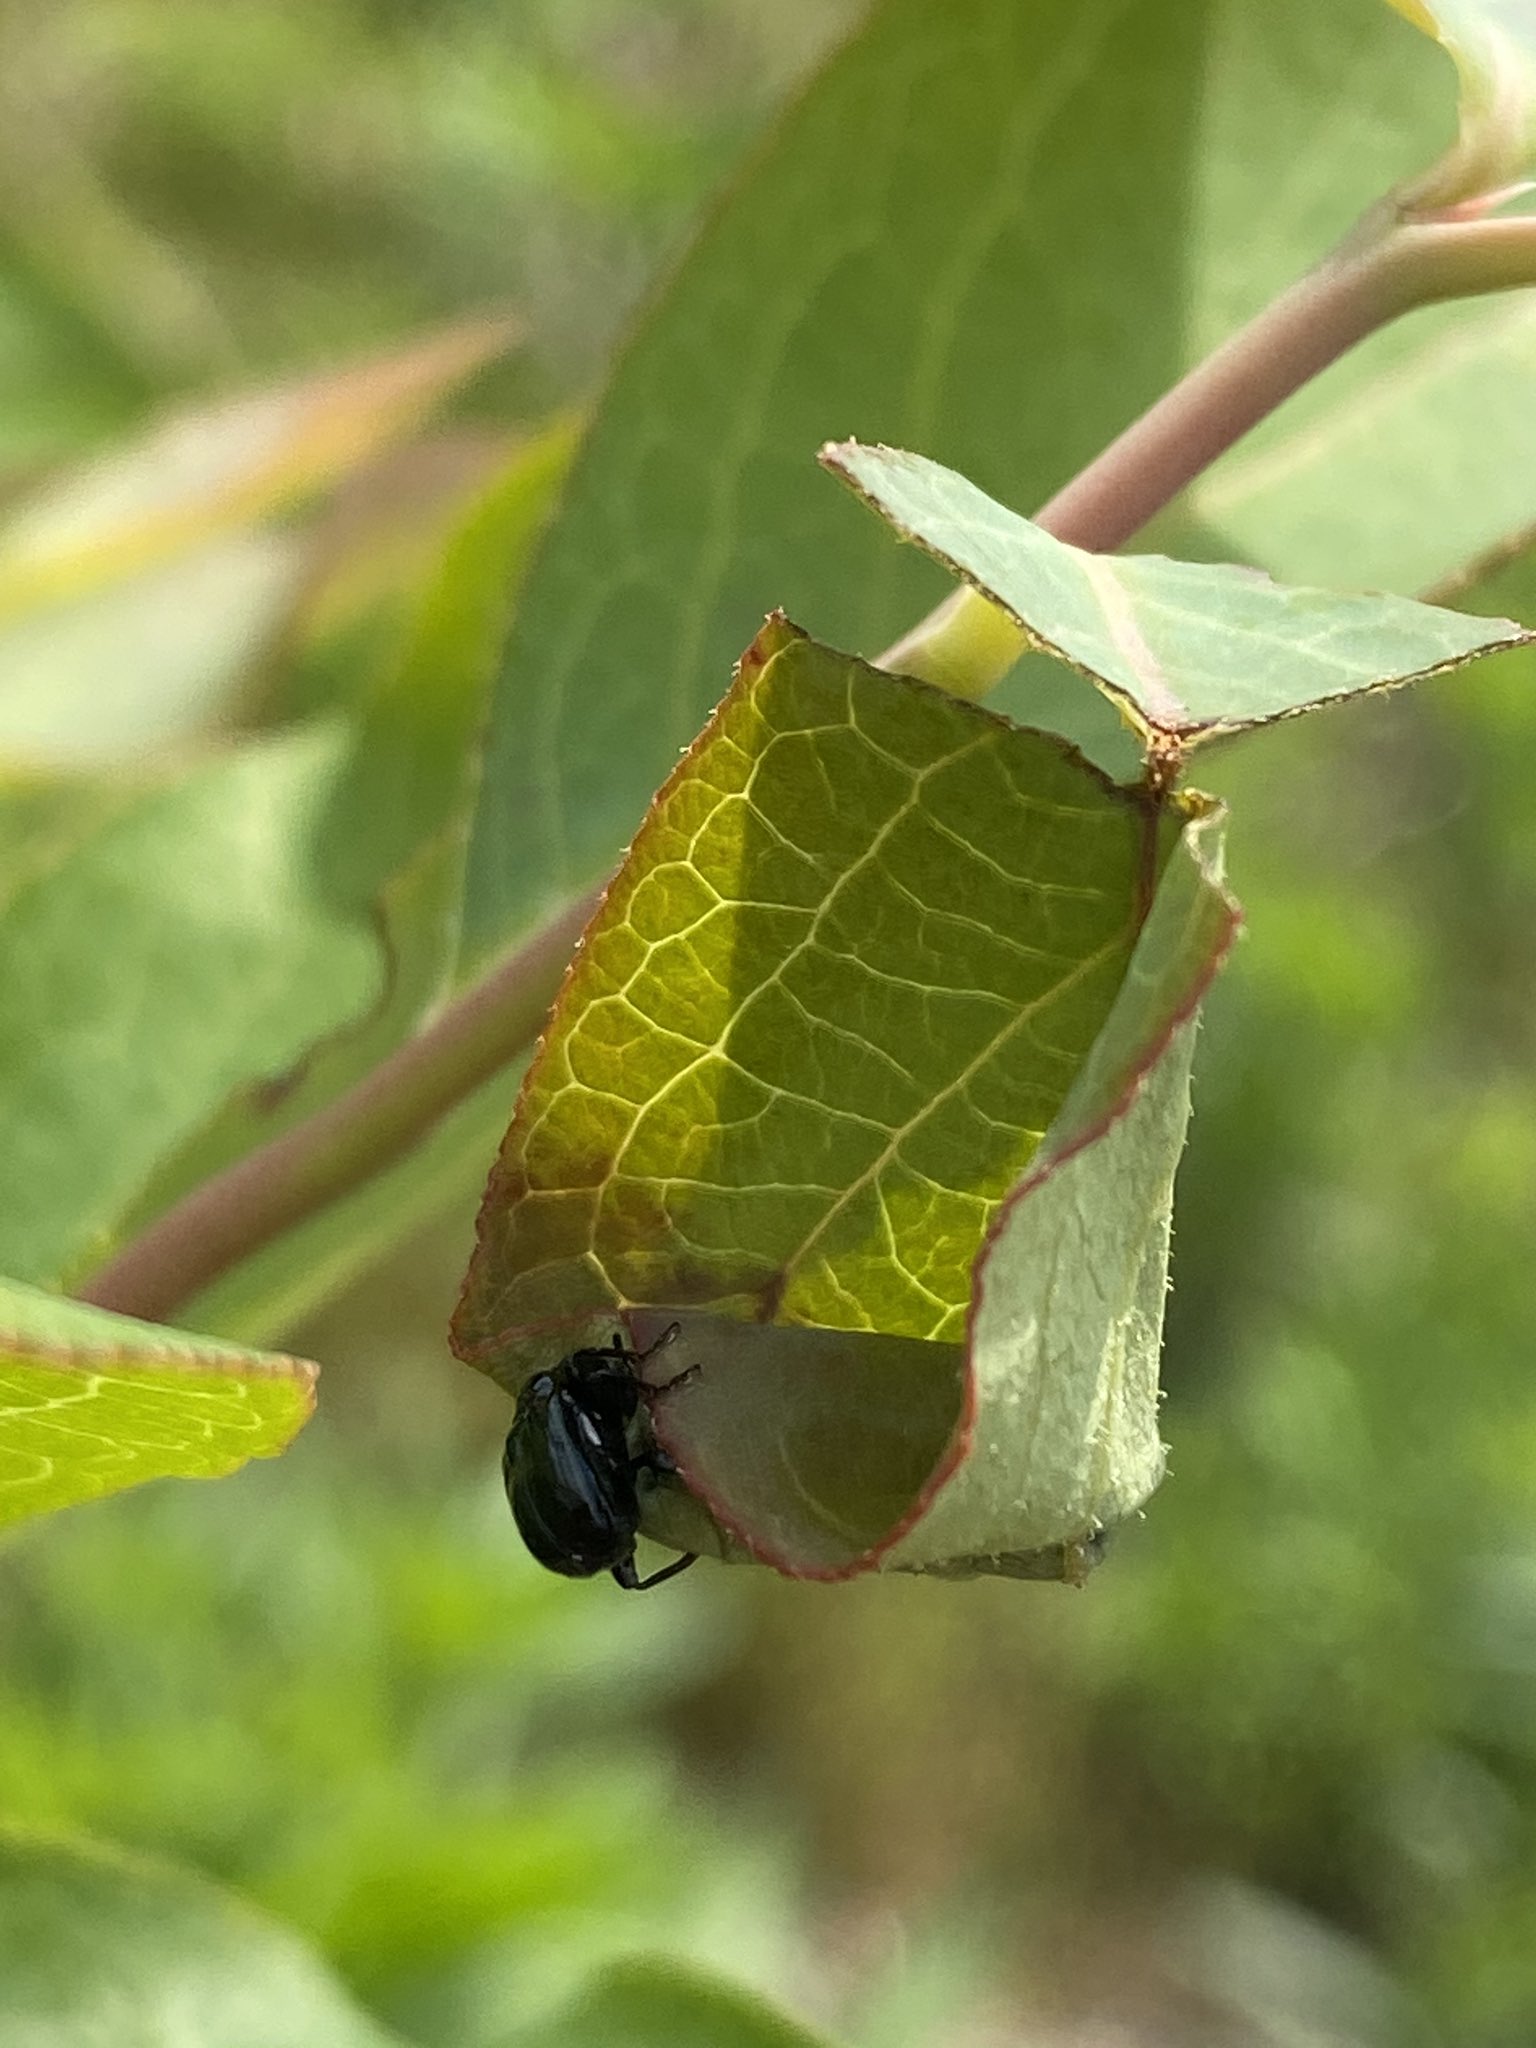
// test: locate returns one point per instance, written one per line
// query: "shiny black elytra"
(571, 1469)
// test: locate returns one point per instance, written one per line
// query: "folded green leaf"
(1067, 1328)
(872, 946)
(91, 1403)
(103, 1947)
(1187, 650)
(840, 988)
(1013, 1454)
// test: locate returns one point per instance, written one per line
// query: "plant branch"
(1393, 262)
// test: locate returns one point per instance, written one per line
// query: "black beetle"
(570, 1467)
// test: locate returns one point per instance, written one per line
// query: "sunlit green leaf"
(104, 1947)
(1189, 650)
(825, 1454)
(837, 993)
(91, 1403)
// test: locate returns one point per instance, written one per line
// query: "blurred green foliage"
(205, 191)
(399, 1736)
(1274, 1777)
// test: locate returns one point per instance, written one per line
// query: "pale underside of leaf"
(826, 1423)
(807, 1450)
(1066, 1327)
(1188, 650)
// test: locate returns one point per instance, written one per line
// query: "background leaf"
(212, 469)
(1188, 649)
(389, 846)
(285, 916)
(655, 2002)
(179, 950)
(1412, 455)
(919, 281)
(105, 1947)
(136, 591)
(863, 277)
(90, 1403)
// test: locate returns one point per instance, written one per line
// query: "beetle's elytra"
(571, 1463)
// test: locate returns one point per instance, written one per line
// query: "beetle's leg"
(668, 1336)
(654, 1458)
(669, 1571)
(649, 1388)
(626, 1575)
(649, 1391)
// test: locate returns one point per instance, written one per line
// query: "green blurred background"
(1272, 1778)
